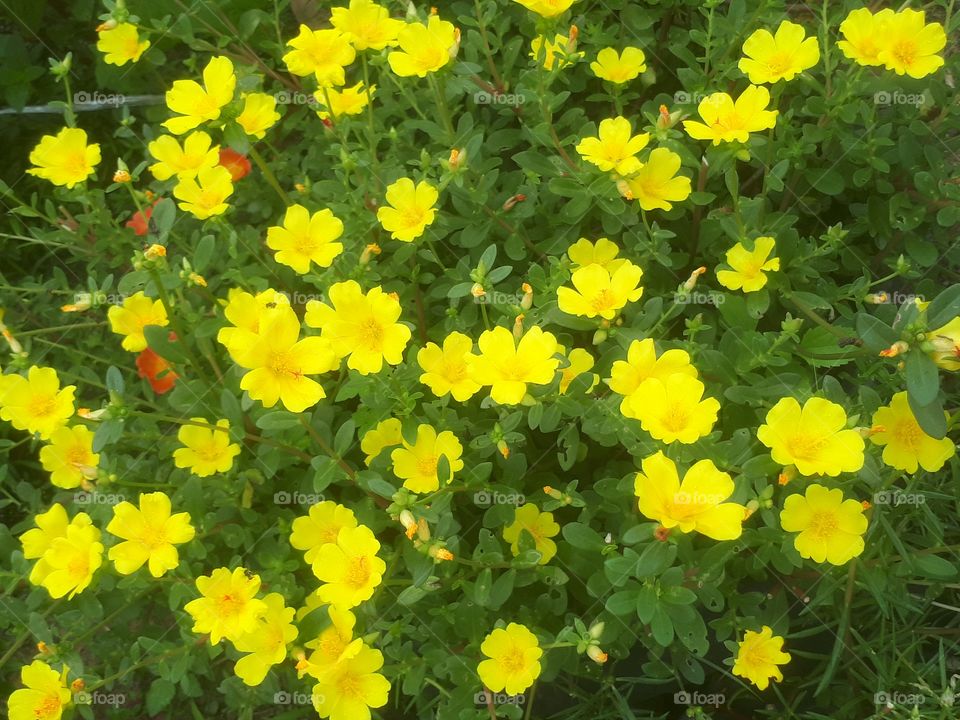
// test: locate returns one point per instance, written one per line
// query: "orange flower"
(237, 164)
(140, 221)
(156, 370)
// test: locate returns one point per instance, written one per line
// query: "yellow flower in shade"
(72, 559)
(322, 53)
(674, 409)
(65, 158)
(641, 364)
(197, 104)
(69, 458)
(410, 211)
(771, 58)
(864, 34)
(50, 525)
(905, 445)
(36, 403)
(758, 655)
(386, 434)
(539, 525)
(368, 26)
(247, 313)
(306, 238)
(656, 184)
(812, 437)
(946, 345)
(352, 686)
(266, 644)
(726, 120)
(446, 370)
(333, 644)
(830, 528)
(598, 292)
(349, 101)
(695, 503)
(279, 363)
(259, 114)
(137, 312)
(349, 568)
(580, 362)
(206, 195)
(547, 8)
(207, 450)
(361, 327)
(121, 44)
(615, 147)
(43, 696)
(424, 48)
(749, 267)
(619, 68)
(417, 464)
(557, 53)
(602, 252)
(508, 366)
(320, 526)
(185, 162)
(228, 606)
(149, 533)
(514, 659)
(910, 46)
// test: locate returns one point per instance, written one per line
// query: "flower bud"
(155, 252)
(122, 176)
(898, 348)
(527, 301)
(880, 298)
(692, 280)
(368, 252)
(596, 654)
(518, 327)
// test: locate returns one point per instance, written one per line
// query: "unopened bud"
(596, 654)
(787, 474)
(477, 290)
(880, 298)
(78, 685)
(503, 448)
(513, 200)
(368, 252)
(441, 553)
(108, 25)
(692, 280)
(526, 302)
(155, 252)
(596, 630)
(518, 327)
(121, 176)
(661, 533)
(898, 348)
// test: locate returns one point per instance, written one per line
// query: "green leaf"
(661, 626)
(934, 566)
(622, 602)
(203, 253)
(114, 380)
(923, 379)
(163, 217)
(875, 334)
(502, 589)
(647, 601)
(278, 420)
(931, 418)
(482, 587)
(655, 558)
(582, 536)
(944, 307)
(159, 696)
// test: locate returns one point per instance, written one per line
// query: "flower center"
(676, 418)
(78, 566)
(603, 300)
(905, 52)
(153, 537)
(428, 466)
(350, 685)
(778, 63)
(358, 573)
(228, 604)
(371, 334)
(823, 525)
(76, 163)
(804, 447)
(513, 660)
(331, 644)
(77, 456)
(43, 405)
(908, 433)
(281, 364)
(49, 707)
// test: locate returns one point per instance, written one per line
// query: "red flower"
(156, 370)
(140, 220)
(237, 164)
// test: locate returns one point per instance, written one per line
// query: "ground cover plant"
(518, 358)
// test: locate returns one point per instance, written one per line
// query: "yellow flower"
(615, 147)
(580, 362)
(121, 44)
(50, 525)
(508, 367)
(547, 8)
(247, 313)
(259, 114)
(207, 450)
(726, 120)
(334, 644)
(541, 528)
(447, 370)
(558, 52)
(424, 48)
(228, 606)
(417, 464)
(349, 101)
(306, 238)
(197, 104)
(72, 559)
(771, 58)
(830, 528)
(411, 209)
(322, 53)
(69, 458)
(656, 184)
(349, 568)
(44, 696)
(749, 266)
(864, 34)
(362, 327)
(36, 403)
(368, 26)
(206, 195)
(812, 437)
(619, 69)
(641, 364)
(352, 687)
(602, 252)
(946, 345)
(672, 409)
(696, 503)
(319, 527)
(758, 655)
(386, 434)
(905, 445)
(910, 46)
(514, 659)
(149, 533)
(137, 312)
(599, 292)
(184, 162)
(266, 644)
(65, 158)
